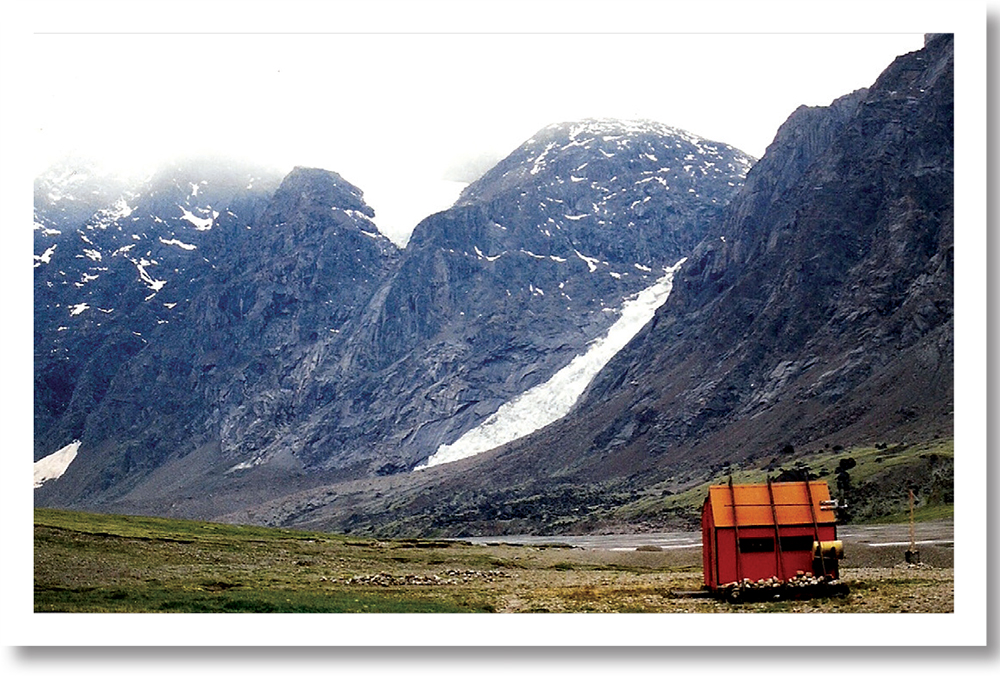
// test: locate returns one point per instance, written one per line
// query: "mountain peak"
(327, 186)
(609, 126)
(602, 150)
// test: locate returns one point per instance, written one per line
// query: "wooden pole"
(736, 532)
(780, 567)
(812, 513)
(912, 555)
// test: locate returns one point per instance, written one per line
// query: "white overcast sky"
(396, 114)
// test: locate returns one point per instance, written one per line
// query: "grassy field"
(879, 479)
(106, 563)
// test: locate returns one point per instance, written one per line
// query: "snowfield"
(546, 403)
(54, 466)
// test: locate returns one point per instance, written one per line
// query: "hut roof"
(792, 504)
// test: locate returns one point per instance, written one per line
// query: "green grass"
(920, 514)
(169, 530)
(96, 563)
(100, 563)
(121, 599)
(108, 563)
(873, 463)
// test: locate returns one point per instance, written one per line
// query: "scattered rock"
(448, 577)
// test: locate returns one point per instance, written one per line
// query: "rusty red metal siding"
(727, 564)
(707, 546)
(763, 549)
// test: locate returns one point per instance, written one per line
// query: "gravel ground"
(878, 577)
(902, 589)
(863, 556)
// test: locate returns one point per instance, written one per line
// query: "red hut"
(783, 530)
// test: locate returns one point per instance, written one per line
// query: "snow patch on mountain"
(45, 257)
(551, 400)
(147, 279)
(45, 230)
(591, 262)
(111, 215)
(177, 242)
(55, 465)
(198, 222)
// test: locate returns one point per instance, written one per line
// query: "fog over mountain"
(412, 106)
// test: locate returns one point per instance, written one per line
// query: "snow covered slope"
(550, 401)
(55, 465)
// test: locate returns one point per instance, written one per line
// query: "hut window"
(797, 543)
(752, 545)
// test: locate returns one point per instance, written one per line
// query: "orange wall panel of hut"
(773, 530)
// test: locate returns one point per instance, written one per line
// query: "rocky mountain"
(233, 339)
(71, 191)
(816, 312)
(206, 287)
(534, 262)
(821, 310)
(313, 365)
(117, 267)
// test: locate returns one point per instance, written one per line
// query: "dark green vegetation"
(105, 563)
(108, 563)
(873, 481)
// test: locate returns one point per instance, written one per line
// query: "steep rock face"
(496, 294)
(271, 279)
(319, 261)
(822, 307)
(109, 280)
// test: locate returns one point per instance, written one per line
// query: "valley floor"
(103, 563)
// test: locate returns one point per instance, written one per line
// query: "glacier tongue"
(551, 400)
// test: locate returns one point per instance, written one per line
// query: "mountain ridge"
(313, 345)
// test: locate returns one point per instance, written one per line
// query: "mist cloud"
(468, 168)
